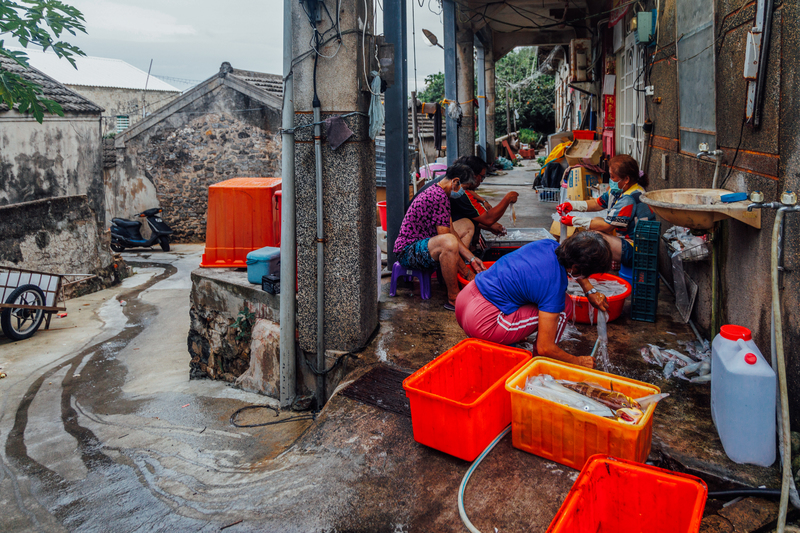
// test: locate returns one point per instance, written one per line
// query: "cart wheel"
(19, 324)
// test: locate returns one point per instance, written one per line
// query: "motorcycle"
(125, 233)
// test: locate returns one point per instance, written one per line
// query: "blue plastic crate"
(644, 300)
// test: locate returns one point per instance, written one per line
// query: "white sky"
(189, 39)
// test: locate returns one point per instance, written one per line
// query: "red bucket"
(463, 282)
(582, 307)
(382, 213)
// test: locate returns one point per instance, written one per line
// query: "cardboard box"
(584, 151)
(579, 181)
(555, 230)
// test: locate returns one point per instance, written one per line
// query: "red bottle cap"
(733, 333)
(750, 359)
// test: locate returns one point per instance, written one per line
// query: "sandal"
(449, 306)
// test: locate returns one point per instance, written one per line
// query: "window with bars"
(123, 122)
(630, 100)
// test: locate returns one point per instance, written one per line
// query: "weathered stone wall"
(767, 160)
(222, 135)
(116, 101)
(61, 157)
(57, 235)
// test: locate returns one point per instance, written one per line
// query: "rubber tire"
(5, 316)
(164, 242)
(116, 247)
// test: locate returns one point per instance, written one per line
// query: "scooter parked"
(125, 233)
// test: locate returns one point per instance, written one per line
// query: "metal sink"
(699, 208)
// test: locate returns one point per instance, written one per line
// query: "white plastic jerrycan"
(743, 389)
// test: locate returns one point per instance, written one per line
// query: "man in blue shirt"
(526, 291)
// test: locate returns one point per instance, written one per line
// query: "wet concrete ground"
(103, 431)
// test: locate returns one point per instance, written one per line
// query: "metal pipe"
(717, 154)
(762, 63)
(481, 75)
(450, 76)
(288, 317)
(320, 258)
(715, 307)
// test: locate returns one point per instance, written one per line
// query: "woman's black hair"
(586, 250)
(474, 162)
(625, 166)
(462, 173)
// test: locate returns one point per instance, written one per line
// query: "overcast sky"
(189, 39)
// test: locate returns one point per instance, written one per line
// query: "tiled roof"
(95, 72)
(70, 101)
(272, 83)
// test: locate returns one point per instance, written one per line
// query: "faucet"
(716, 154)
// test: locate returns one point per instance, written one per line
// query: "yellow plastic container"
(570, 436)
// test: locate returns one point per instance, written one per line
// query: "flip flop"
(449, 306)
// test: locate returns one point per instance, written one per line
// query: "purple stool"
(424, 277)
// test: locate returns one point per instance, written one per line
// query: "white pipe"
(288, 237)
(778, 359)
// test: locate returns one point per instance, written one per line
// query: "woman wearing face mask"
(526, 291)
(624, 206)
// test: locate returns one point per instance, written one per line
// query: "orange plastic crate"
(614, 495)
(243, 215)
(570, 436)
(458, 402)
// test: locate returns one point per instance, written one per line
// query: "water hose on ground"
(461, 512)
(784, 436)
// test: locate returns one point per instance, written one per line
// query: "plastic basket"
(570, 436)
(644, 302)
(548, 194)
(612, 494)
(458, 400)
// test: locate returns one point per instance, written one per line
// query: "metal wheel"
(19, 324)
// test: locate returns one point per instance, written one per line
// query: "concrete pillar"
(450, 75)
(465, 55)
(491, 97)
(348, 184)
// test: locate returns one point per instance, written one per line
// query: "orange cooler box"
(616, 495)
(458, 402)
(570, 436)
(243, 215)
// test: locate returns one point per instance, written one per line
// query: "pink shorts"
(479, 318)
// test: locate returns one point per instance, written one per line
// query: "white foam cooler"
(743, 388)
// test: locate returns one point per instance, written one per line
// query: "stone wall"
(57, 235)
(223, 135)
(60, 157)
(116, 101)
(767, 160)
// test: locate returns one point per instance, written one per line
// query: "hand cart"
(29, 297)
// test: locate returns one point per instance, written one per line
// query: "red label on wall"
(609, 111)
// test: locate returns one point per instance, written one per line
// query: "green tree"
(40, 23)
(434, 88)
(534, 101)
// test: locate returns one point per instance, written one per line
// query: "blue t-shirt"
(531, 275)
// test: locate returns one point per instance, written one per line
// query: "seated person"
(471, 212)
(624, 206)
(526, 291)
(427, 240)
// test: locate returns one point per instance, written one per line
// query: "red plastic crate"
(243, 215)
(458, 401)
(614, 495)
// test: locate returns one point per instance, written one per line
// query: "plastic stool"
(424, 277)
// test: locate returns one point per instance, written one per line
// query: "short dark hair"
(463, 173)
(625, 166)
(474, 162)
(587, 250)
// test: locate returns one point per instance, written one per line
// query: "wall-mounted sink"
(699, 208)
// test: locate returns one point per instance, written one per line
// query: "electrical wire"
(364, 50)
(735, 155)
(414, 43)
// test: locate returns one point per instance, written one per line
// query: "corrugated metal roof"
(69, 100)
(95, 72)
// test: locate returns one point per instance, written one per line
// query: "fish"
(701, 379)
(629, 415)
(513, 215)
(669, 368)
(656, 353)
(614, 400)
(537, 386)
(552, 384)
(645, 401)
(689, 369)
(686, 359)
(645, 351)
